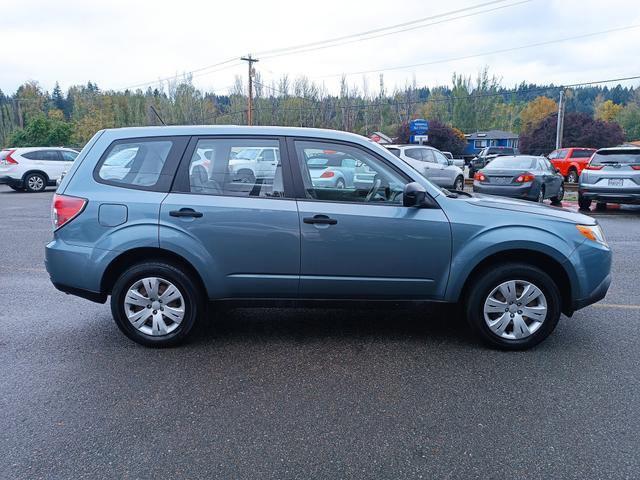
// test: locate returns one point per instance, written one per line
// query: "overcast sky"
(120, 43)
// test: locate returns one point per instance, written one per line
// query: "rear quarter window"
(144, 163)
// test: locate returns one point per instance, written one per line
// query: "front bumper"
(525, 191)
(592, 262)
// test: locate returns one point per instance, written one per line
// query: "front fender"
(485, 243)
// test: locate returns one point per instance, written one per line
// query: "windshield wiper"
(456, 194)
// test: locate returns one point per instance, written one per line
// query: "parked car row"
(33, 169)
(431, 163)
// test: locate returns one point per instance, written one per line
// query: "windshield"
(321, 162)
(513, 163)
(626, 157)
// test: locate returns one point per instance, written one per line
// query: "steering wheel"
(374, 189)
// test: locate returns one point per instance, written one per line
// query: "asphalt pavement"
(310, 393)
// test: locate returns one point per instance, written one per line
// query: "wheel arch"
(547, 263)
(137, 255)
(32, 171)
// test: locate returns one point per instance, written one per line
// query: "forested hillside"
(33, 116)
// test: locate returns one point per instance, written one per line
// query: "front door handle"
(320, 220)
(185, 212)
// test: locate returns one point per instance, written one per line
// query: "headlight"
(592, 232)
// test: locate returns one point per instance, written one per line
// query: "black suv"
(486, 155)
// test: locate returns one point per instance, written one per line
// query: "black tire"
(16, 189)
(583, 203)
(191, 293)
(459, 183)
(246, 177)
(485, 283)
(35, 182)
(601, 206)
(472, 172)
(558, 198)
(340, 184)
(572, 177)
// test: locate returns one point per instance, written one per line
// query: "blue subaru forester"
(166, 219)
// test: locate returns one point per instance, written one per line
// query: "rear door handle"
(320, 220)
(185, 212)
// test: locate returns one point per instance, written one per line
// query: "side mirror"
(414, 195)
(449, 162)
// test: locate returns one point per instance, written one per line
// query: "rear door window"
(143, 163)
(239, 167)
(68, 155)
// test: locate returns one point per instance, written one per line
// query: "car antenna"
(153, 109)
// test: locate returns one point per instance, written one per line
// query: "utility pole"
(250, 61)
(380, 95)
(560, 127)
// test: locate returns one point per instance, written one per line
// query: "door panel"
(245, 236)
(246, 247)
(361, 242)
(374, 251)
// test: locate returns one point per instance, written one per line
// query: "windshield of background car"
(513, 163)
(626, 157)
(395, 151)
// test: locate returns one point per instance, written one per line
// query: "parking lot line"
(617, 305)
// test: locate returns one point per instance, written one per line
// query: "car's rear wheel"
(35, 182)
(459, 183)
(601, 206)
(583, 203)
(340, 184)
(572, 177)
(513, 306)
(156, 304)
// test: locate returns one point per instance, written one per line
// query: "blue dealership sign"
(419, 126)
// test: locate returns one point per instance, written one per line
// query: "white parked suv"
(34, 168)
(431, 163)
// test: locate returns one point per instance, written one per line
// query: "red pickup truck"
(571, 161)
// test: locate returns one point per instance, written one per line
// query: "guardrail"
(568, 187)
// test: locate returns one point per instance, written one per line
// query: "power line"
(502, 50)
(383, 31)
(288, 50)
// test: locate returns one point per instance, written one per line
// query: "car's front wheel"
(156, 304)
(583, 203)
(459, 184)
(513, 306)
(560, 196)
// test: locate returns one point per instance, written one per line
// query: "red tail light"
(327, 174)
(635, 167)
(480, 177)
(65, 208)
(525, 177)
(593, 167)
(9, 160)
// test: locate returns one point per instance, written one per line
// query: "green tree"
(42, 132)
(629, 119)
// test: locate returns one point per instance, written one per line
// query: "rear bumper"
(613, 195)
(77, 270)
(13, 182)
(528, 191)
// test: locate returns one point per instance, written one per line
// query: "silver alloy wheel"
(515, 309)
(154, 306)
(572, 177)
(459, 185)
(35, 182)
